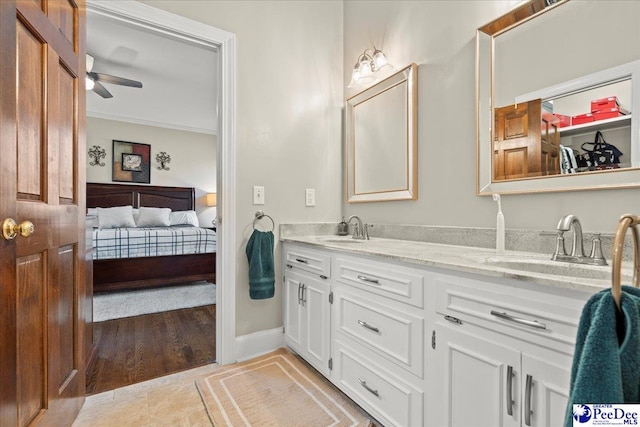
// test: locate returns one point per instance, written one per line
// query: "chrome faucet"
(360, 231)
(577, 255)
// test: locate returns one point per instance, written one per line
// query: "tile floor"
(172, 400)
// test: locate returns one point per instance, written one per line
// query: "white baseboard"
(256, 344)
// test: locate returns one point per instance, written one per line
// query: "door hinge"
(330, 297)
(433, 339)
(330, 364)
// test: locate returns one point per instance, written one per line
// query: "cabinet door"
(549, 389)
(473, 372)
(292, 312)
(316, 323)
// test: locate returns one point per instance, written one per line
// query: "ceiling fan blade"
(101, 90)
(108, 78)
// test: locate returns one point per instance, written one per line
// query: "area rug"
(277, 389)
(117, 305)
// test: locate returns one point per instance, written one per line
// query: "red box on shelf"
(599, 105)
(582, 118)
(609, 113)
(563, 121)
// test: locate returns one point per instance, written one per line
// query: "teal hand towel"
(606, 362)
(261, 270)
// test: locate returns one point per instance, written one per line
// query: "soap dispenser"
(343, 228)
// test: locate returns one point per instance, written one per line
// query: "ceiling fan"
(93, 80)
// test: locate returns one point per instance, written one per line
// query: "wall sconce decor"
(367, 66)
(212, 199)
(163, 158)
(97, 153)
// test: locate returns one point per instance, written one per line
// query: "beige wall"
(439, 36)
(288, 120)
(193, 157)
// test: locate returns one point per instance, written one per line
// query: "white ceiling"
(179, 78)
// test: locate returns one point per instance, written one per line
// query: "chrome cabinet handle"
(363, 383)
(527, 400)
(303, 261)
(299, 293)
(532, 323)
(368, 326)
(304, 294)
(510, 401)
(368, 279)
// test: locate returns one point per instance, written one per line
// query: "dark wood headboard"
(110, 195)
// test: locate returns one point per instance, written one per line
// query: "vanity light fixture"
(367, 66)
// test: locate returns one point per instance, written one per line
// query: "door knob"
(10, 228)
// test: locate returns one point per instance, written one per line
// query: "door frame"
(155, 19)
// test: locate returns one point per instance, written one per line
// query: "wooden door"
(516, 145)
(42, 161)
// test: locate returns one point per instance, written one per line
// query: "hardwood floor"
(136, 349)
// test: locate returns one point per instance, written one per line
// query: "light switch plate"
(310, 197)
(258, 195)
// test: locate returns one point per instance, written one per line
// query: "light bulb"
(379, 60)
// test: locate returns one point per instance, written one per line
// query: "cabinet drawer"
(396, 336)
(385, 396)
(510, 310)
(399, 283)
(308, 260)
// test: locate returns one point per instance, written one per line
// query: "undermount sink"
(344, 240)
(547, 266)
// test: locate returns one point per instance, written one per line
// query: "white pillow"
(153, 217)
(184, 218)
(117, 217)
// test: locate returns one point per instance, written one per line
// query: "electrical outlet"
(310, 197)
(258, 195)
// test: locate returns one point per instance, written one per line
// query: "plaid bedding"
(154, 241)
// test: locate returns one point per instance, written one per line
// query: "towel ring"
(625, 222)
(259, 216)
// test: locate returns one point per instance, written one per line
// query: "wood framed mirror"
(543, 62)
(381, 140)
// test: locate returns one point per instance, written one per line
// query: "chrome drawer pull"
(527, 400)
(368, 279)
(369, 389)
(510, 401)
(371, 328)
(303, 261)
(532, 323)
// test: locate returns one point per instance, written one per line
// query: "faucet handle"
(365, 231)
(560, 250)
(596, 250)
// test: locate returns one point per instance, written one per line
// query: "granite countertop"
(524, 266)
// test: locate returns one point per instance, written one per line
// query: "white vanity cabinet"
(306, 306)
(424, 346)
(502, 353)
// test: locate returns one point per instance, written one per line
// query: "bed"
(144, 271)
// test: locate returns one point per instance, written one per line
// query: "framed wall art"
(131, 162)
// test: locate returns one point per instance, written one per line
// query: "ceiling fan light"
(89, 62)
(89, 84)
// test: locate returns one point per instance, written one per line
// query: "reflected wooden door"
(42, 294)
(516, 148)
